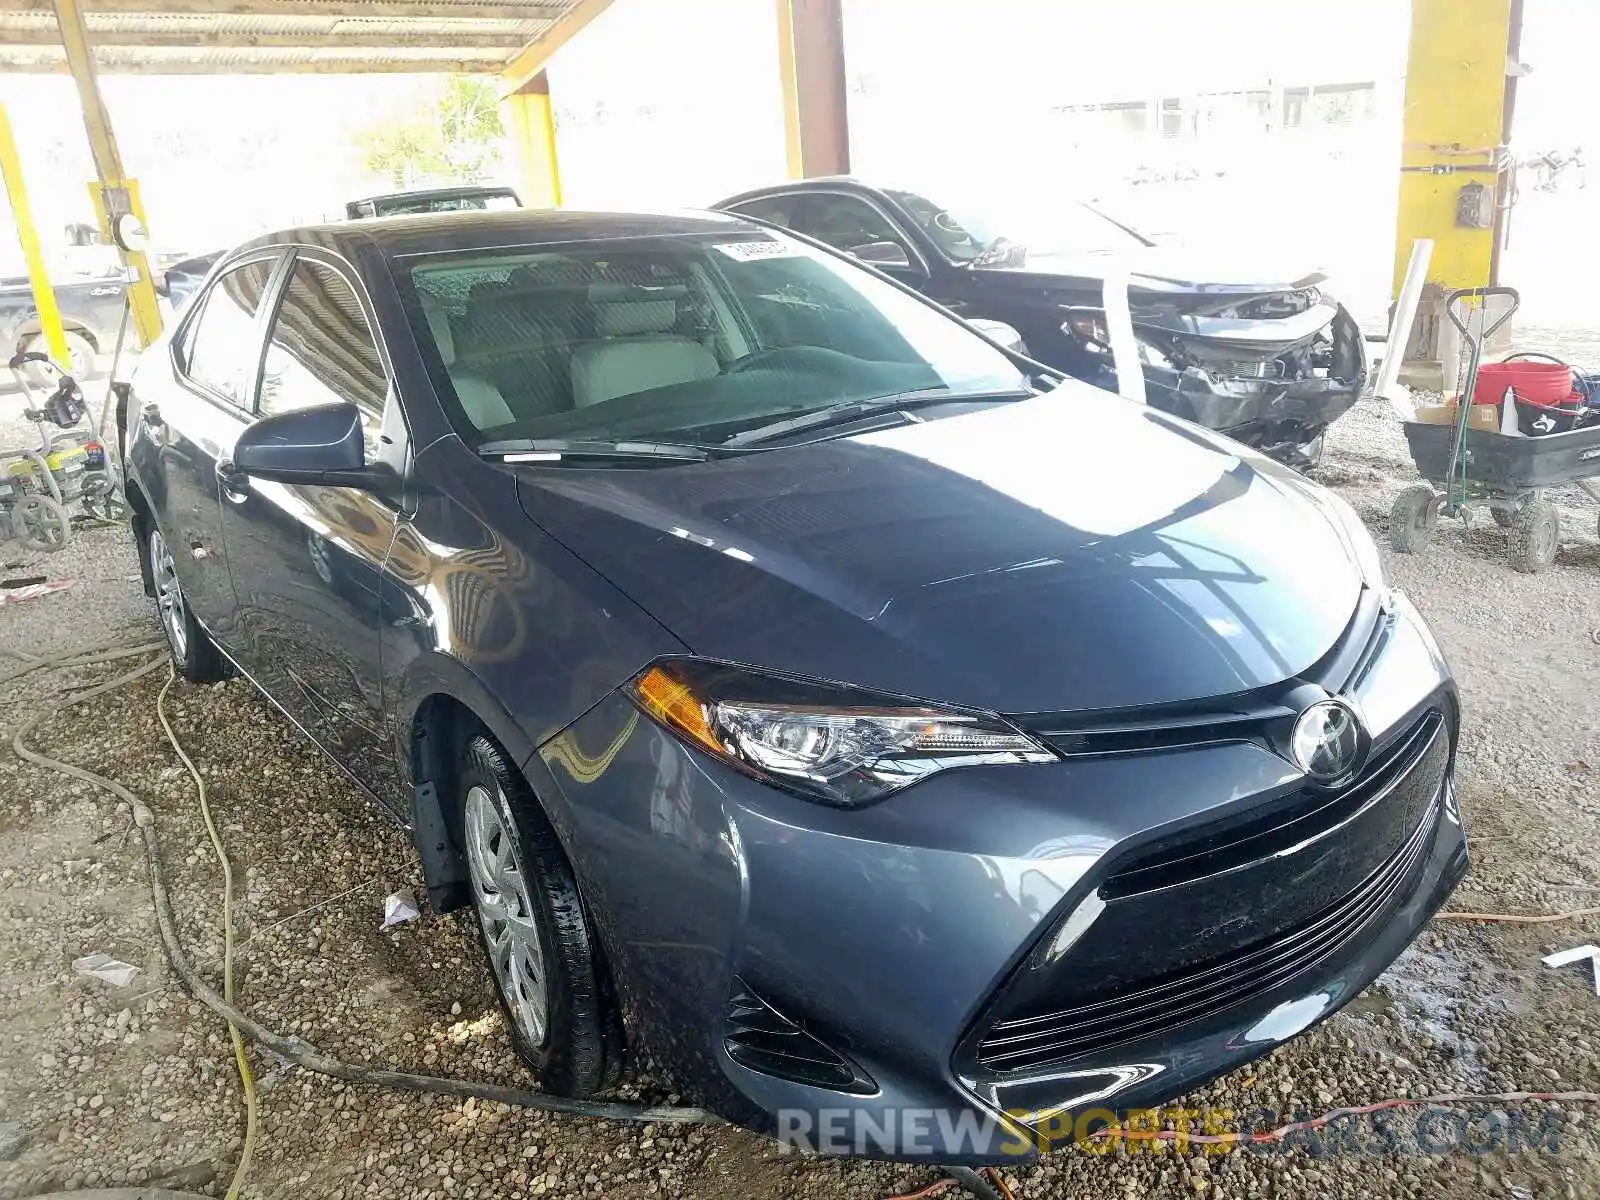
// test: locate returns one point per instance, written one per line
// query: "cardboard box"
(1482, 416)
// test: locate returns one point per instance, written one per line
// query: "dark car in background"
(802, 689)
(473, 198)
(1271, 363)
(91, 311)
(182, 278)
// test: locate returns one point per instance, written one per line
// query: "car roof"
(423, 233)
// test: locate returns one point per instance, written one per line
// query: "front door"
(307, 561)
(192, 417)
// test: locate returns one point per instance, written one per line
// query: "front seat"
(485, 407)
(636, 351)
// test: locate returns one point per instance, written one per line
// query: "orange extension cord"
(1284, 1131)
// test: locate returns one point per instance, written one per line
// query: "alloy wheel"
(503, 897)
(169, 595)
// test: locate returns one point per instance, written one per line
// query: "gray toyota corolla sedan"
(888, 737)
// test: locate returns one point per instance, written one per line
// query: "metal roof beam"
(247, 66)
(492, 45)
(532, 58)
(472, 10)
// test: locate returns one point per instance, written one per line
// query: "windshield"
(689, 339)
(1009, 229)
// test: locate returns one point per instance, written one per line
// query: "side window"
(321, 350)
(778, 210)
(851, 224)
(222, 343)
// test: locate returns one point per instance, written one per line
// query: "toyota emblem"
(1329, 741)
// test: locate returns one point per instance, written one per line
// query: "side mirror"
(880, 254)
(999, 331)
(321, 445)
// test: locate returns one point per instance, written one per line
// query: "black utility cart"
(1471, 468)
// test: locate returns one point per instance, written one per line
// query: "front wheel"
(1412, 518)
(193, 652)
(531, 921)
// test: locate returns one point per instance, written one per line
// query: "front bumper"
(1277, 416)
(900, 937)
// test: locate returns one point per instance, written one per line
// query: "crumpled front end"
(1272, 370)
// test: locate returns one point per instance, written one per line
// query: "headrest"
(439, 324)
(630, 317)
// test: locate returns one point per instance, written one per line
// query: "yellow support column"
(531, 127)
(44, 296)
(1455, 118)
(115, 194)
(816, 121)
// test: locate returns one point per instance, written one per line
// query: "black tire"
(1506, 517)
(579, 1052)
(1412, 518)
(193, 652)
(1535, 537)
(81, 358)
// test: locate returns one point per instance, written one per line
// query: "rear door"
(189, 418)
(307, 561)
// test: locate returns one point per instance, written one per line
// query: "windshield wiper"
(551, 450)
(839, 414)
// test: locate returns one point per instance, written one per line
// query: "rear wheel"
(535, 934)
(193, 652)
(80, 356)
(1535, 536)
(1506, 517)
(1412, 518)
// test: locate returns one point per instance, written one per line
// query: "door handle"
(235, 484)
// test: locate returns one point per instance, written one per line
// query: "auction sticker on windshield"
(750, 251)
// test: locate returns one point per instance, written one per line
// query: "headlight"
(838, 745)
(1089, 326)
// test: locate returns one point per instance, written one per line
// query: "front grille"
(1312, 813)
(758, 1036)
(1032, 1042)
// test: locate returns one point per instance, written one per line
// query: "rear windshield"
(683, 339)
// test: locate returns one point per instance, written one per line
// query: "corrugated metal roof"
(255, 36)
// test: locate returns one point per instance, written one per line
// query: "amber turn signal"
(671, 702)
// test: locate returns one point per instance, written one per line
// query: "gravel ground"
(113, 1086)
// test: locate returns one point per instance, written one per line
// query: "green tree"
(452, 134)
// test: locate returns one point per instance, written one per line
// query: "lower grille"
(757, 1036)
(1032, 1042)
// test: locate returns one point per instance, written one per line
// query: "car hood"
(1072, 551)
(1162, 269)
